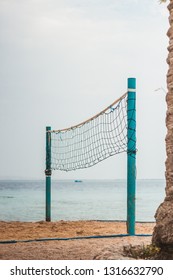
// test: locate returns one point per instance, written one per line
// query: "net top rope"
(92, 118)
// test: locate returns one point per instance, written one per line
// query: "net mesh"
(92, 141)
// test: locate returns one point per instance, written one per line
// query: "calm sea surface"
(87, 200)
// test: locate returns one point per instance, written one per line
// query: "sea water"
(86, 200)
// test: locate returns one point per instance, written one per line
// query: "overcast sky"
(63, 61)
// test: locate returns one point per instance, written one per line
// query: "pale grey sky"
(63, 61)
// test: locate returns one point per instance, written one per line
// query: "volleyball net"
(88, 143)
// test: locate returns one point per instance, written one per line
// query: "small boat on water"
(78, 181)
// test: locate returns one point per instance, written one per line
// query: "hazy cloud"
(64, 60)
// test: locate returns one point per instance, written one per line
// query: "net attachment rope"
(92, 141)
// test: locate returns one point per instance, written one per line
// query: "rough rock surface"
(163, 231)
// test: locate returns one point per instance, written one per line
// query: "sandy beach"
(84, 249)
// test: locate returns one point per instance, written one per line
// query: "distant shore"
(73, 249)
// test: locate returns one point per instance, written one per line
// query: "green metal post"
(48, 173)
(131, 155)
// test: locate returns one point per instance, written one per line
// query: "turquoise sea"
(86, 200)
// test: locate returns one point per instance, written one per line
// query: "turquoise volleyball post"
(48, 173)
(131, 155)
